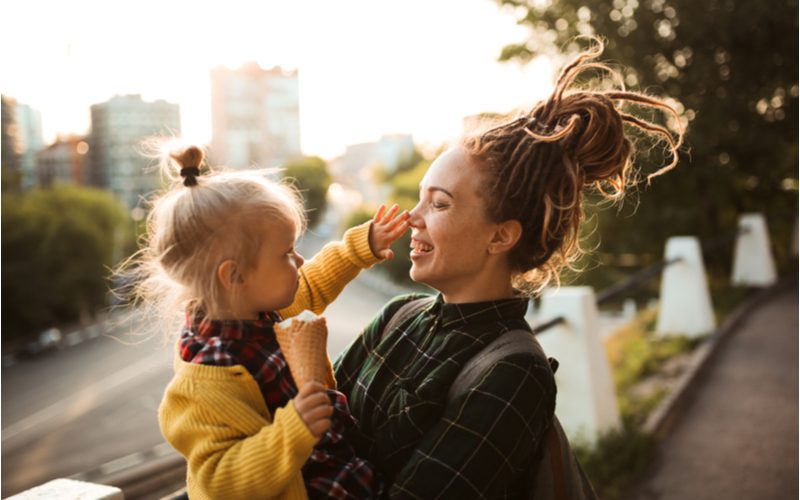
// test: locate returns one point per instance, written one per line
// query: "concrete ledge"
(154, 477)
(665, 415)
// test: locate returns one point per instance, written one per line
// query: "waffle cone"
(304, 346)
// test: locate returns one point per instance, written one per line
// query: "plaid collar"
(454, 316)
(232, 329)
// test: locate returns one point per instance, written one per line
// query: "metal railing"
(643, 276)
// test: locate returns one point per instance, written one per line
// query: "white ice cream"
(306, 315)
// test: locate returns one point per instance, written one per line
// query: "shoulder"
(407, 306)
(512, 366)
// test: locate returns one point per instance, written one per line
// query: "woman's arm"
(485, 437)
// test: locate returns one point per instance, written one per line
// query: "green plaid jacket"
(479, 445)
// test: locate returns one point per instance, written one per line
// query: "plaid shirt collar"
(455, 316)
(231, 329)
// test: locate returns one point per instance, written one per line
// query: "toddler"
(222, 246)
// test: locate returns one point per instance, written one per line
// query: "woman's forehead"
(452, 171)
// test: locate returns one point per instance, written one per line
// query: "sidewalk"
(737, 436)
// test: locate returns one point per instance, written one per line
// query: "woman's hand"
(314, 407)
(386, 229)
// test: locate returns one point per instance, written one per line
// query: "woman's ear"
(506, 235)
(229, 275)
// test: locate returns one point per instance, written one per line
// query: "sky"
(366, 68)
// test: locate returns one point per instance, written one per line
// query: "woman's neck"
(491, 285)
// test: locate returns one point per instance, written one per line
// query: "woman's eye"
(438, 205)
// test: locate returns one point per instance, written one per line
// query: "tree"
(313, 179)
(731, 68)
(58, 245)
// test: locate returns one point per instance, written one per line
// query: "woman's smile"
(420, 249)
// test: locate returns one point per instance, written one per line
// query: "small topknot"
(189, 160)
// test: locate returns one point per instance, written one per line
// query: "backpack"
(555, 472)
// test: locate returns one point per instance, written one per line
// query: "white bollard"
(685, 302)
(586, 403)
(753, 264)
(71, 488)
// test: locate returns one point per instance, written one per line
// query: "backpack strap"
(406, 311)
(515, 342)
(510, 342)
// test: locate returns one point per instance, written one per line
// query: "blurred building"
(29, 126)
(387, 153)
(255, 116)
(119, 126)
(362, 165)
(9, 148)
(21, 141)
(65, 161)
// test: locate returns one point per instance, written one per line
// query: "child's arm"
(326, 274)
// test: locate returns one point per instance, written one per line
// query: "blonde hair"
(198, 223)
(537, 165)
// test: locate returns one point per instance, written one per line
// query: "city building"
(255, 116)
(362, 165)
(21, 141)
(9, 148)
(29, 127)
(65, 161)
(116, 159)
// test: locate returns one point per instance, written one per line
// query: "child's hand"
(386, 229)
(314, 407)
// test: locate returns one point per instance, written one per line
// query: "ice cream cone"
(304, 346)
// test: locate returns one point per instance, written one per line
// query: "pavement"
(736, 435)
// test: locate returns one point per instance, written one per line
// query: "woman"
(499, 213)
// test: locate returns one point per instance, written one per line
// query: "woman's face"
(450, 230)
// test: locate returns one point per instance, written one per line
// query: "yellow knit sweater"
(215, 416)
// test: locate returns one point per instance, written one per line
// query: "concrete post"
(685, 302)
(753, 264)
(586, 402)
(70, 488)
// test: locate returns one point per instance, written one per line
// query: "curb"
(666, 413)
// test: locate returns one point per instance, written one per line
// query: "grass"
(643, 366)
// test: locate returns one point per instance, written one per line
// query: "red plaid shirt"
(333, 470)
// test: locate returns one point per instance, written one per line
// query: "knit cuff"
(296, 427)
(356, 239)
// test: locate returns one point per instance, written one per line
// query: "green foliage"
(615, 461)
(733, 68)
(57, 247)
(312, 177)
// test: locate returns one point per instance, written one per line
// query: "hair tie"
(189, 175)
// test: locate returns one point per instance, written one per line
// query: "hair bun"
(600, 148)
(189, 160)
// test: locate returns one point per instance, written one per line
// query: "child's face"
(272, 283)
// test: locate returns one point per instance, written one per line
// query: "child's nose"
(299, 259)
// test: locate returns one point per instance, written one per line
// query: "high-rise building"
(119, 127)
(29, 126)
(64, 161)
(22, 140)
(10, 147)
(255, 116)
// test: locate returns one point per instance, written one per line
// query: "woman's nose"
(299, 260)
(415, 219)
